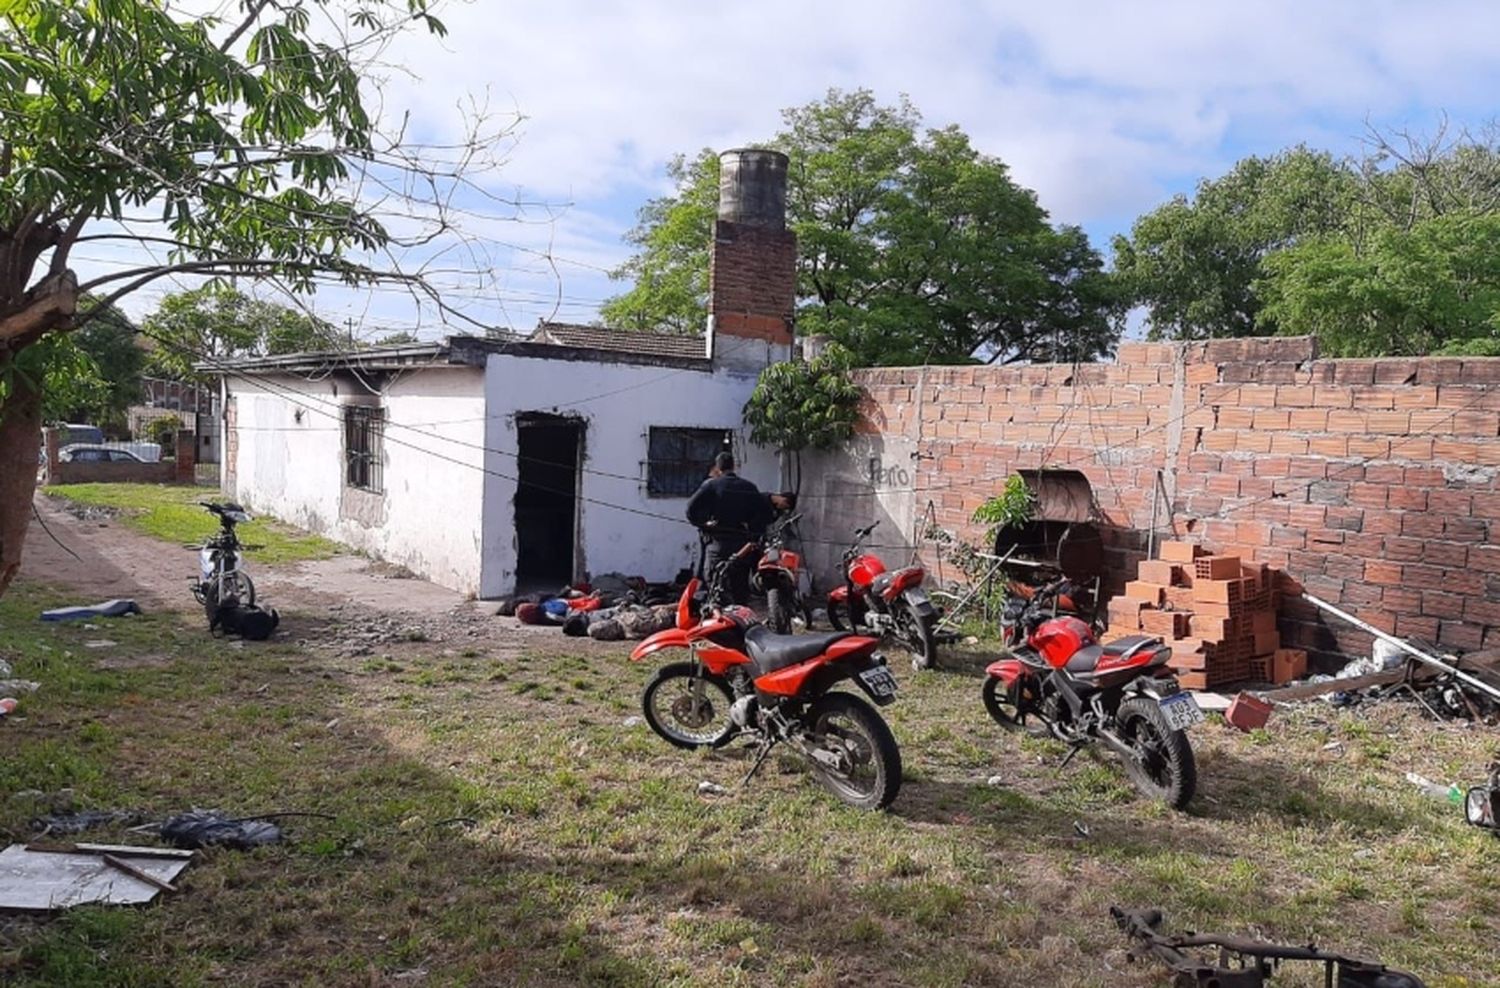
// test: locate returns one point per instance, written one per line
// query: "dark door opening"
(547, 499)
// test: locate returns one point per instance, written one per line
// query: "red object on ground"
(529, 613)
(584, 604)
(1248, 712)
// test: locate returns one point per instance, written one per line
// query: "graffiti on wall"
(884, 474)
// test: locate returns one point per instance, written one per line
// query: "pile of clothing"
(612, 607)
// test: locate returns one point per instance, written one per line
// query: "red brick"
(1308, 419)
(1273, 466)
(1407, 498)
(1370, 447)
(1383, 573)
(1415, 396)
(1425, 577)
(1235, 417)
(1442, 605)
(1390, 423)
(1452, 502)
(1395, 370)
(1253, 442)
(1401, 599)
(1286, 537)
(1344, 567)
(1422, 526)
(1413, 626)
(1286, 444)
(1382, 523)
(1328, 446)
(1349, 520)
(1451, 554)
(1333, 396)
(1368, 495)
(1308, 515)
(1457, 529)
(1461, 636)
(1383, 620)
(1385, 473)
(1258, 487)
(1354, 371)
(1348, 420)
(1481, 611)
(1269, 418)
(1480, 371)
(1399, 549)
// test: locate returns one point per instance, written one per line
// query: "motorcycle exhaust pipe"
(1118, 745)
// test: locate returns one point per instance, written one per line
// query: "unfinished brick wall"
(1373, 482)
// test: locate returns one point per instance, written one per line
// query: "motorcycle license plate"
(1181, 711)
(879, 680)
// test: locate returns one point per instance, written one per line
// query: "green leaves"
(912, 246)
(799, 405)
(219, 322)
(1394, 253)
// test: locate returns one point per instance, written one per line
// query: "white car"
(90, 453)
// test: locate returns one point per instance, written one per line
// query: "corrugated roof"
(620, 340)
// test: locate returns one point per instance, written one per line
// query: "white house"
(491, 463)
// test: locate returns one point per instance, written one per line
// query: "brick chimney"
(752, 280)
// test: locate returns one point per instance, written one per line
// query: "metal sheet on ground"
(44, 881)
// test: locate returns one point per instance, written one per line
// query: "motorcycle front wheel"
(1002, 704)
(838, 616)
(1163, 767)
(865, 769)
(689, 706)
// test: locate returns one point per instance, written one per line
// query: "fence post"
(187, 449)
(52, 443)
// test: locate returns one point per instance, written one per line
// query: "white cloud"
(1105, 109)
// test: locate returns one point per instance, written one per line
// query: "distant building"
(496, 462)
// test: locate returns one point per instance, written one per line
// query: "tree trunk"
(20, 439)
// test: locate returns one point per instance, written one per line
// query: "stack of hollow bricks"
(1370, 482)
(1217, 612)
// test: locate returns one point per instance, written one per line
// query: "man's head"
(724, 463)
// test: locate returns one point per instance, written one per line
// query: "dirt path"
(102, 558)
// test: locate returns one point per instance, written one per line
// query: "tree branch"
(48, 305)
(250, 18)
(66, 240)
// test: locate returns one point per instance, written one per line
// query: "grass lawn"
(589, 858)
(173, 514)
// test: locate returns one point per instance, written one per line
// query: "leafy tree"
(221, 322)
(228, 144)
(404, 337)
(798, 405)
(1193, 262)
(1434, 287)
(108, 381)
(912, 246)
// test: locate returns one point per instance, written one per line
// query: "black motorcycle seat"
(1085, 659)
(880, 583)
(770, 651)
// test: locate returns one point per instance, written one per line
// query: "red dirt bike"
(743, 680)
(876, 602)
(1122, 694)
(778, 575)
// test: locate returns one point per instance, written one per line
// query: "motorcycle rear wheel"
(871, 776)
(688, 706)
(918, 634)
(1164, 768)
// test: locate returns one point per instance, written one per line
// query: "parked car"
(74, 435)
(92, 453)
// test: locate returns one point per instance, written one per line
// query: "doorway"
(550, 449)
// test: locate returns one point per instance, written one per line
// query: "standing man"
(730, 511)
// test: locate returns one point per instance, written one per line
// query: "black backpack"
(250, 622)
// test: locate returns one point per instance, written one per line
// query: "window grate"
(677, 460)
(364, 433)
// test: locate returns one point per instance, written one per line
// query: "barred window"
(364, 431)
(677, 460)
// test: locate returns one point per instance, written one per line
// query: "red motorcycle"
(876, 602)
(779, 574)
(743, 680)
(1122, 694)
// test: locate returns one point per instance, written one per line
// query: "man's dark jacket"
(737, 508)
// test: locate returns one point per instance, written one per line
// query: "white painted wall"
(622, 529)
(428, 518)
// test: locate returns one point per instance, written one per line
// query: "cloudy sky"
(1106, 109)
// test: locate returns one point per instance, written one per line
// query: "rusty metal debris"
(1254, 960)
